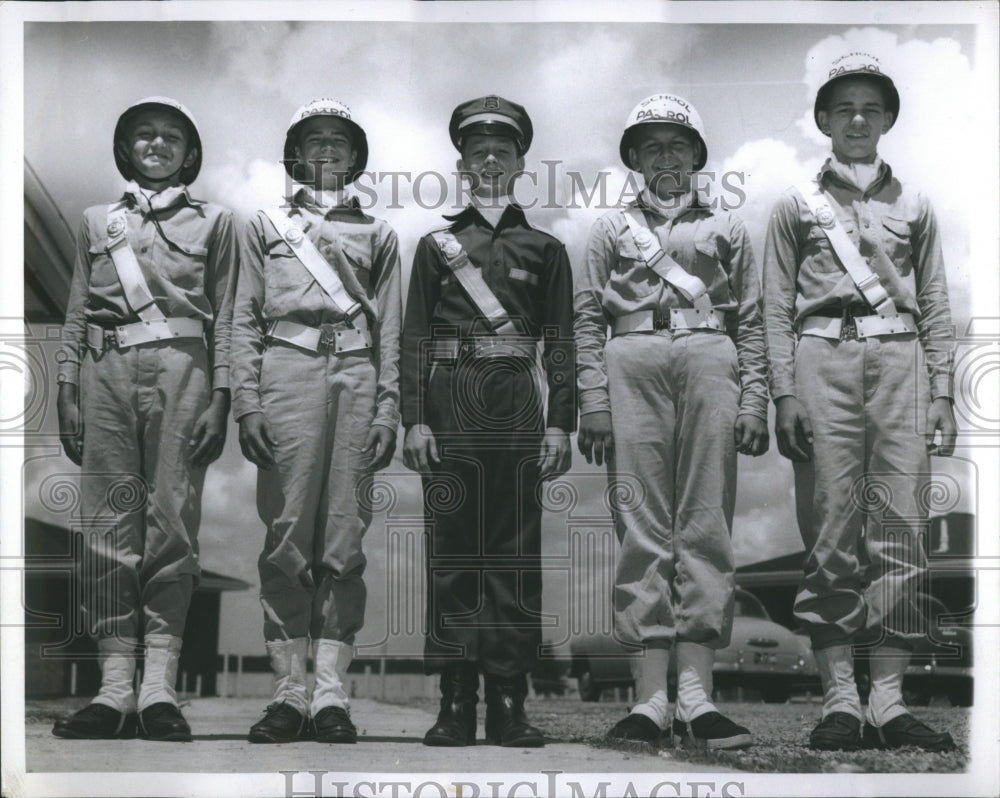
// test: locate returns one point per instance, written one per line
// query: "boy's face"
(855, 119)
(492, 163)
(156, 144)
(665, 155)
(326, 142)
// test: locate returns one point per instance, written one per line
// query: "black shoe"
(506, 723)
(97, 722)
(456, 722)
(334, 725)
(163, 722)
(838, 731)
(282, 723)
(712, 730)
(907, 730)
(636, 727)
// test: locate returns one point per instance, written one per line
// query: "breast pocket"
(896, 236)
(817, 251)
(183, 263)
(632, 278)
(707, 260)
(283, 269)
(102, 268)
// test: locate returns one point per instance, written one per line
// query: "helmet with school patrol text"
(188, 173)
(660, 108)
(852, 65)
(324, 106)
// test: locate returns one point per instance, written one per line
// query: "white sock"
(288, 661)
(836, 674)
(332, 658)
(650, 673)
(885, 702)
(116, 657)
(694, 681)
(159, 675)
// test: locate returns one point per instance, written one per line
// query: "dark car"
(762, 655)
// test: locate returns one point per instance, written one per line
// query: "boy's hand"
(793, 429)
(70, 423)
(554, 457)
(751, 435)
(420, 448)
(257, 440)
(209, 432)
(382, 440)
(595, 440)
(941, 418)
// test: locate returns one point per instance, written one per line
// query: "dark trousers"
(484, 517)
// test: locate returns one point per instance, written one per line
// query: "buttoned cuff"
(68, 373)
(245, 403)
(942, 387)
(220, 378)
(386, 415)
(594, 400)
(782, 386)
(753, 406)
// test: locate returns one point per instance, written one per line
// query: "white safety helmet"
(660, 108)
(326, 107)
(188, 173)
(852, 65)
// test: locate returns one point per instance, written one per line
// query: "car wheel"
(961, 695)
(585, 683)
(775, 694)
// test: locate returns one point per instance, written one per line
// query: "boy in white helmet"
(315, 393)
(143, 400)
(855, 289)
(669, 399)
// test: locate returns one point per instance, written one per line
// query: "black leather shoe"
(506, 723)
(282, 723)
(838, 731)
(163, 722)
(334, 725)
(456, 722)
(97, 722)
(636, 727)
(907, 730)
(712, 730)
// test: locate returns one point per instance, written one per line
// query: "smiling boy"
(143, 399)
(315, 393)
(668, 400)
(483, 291)
(855, 293)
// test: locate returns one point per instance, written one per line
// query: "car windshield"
(749, 606)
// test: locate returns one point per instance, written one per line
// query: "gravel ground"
(781, 732)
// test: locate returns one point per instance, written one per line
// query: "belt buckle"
(848, 327)
(327, 336)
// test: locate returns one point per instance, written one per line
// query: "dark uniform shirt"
(529, 272)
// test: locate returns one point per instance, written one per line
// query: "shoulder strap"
(133, 281)
(471, 280)
(667, 269)
(864, 278)
(318, 266)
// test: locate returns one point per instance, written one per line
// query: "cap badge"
(450, 247)
(491, 103)
(825, 218)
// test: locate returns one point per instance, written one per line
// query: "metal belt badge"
(825, 217)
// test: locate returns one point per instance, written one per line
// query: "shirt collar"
(512, 215)
(668, 209)
(841, 172)
(159, 200)
(325, 201)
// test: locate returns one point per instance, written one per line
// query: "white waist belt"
(680, 319)
(143, 332)
(338, 338)
(866, 326)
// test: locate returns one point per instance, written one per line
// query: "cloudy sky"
(753, 85)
